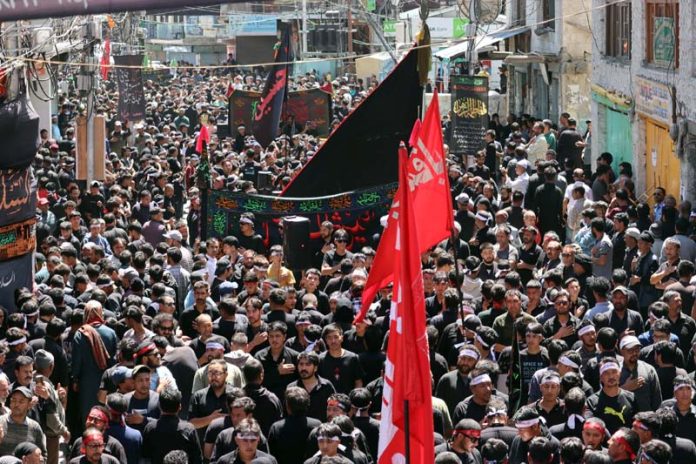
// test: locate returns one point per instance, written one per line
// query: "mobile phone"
(39, 379)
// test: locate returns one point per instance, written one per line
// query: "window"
(548, 14)
(520, 12)
(662, 33)
(618, 31)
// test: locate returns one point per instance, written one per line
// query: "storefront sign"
(653, 100)
(17, 239)
(469, 113)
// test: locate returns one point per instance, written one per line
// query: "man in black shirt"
(268, 407)
(248, 238)
(247, 439)
(465, 438)
(332, 259)
(143, 403)
(475, 406)
(210, 402)
(278, 360)
(287, 439)
(612, 404)
(319, 389)
(341, 367)
(169, 432)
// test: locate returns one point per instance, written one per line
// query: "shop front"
(654, 107)
(613, 125)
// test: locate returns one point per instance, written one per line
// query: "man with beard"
(210, 402)
(563, 325)
(639, 377)
(614, 405)
(529, 254)
(325, 232)
(455, 384)
(682, 326)
(257, 330)
(465, 439)
(622, 319)
(667, 273)
(475, 406)
(319, 389)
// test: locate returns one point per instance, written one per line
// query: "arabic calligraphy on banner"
(358, 212)
(469, 113)
(14, 274)
(17, 201)
(131, 98)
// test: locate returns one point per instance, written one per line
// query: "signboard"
(14, 274)
(653, 100)
(131, 98)
(17, 195)
(469, 114)
(664, 41)
(389, 27)
(12, 10)
(251, 24)
(307, 105)
(358, 212)
(444, 28)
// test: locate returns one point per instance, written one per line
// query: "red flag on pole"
(432, 202)
(407, 369)
(203, 136)
(106, 59)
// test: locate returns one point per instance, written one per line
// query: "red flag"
(415, 132)
(106, 59)
(230, 90)
(432, 202)
(407, 369)
(203, 136)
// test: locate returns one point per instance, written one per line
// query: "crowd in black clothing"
(559, 320)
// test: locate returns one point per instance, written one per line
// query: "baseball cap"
(120, 374)
(23, 390)
(174, 235)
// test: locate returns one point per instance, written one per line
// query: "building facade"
(550, 71)
(644, 91)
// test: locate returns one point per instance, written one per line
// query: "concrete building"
(549, 72)
(643, 87)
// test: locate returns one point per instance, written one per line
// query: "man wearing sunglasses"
(464, 441)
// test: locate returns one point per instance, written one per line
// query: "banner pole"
(407, 432)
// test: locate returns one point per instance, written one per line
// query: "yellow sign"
(469, 108)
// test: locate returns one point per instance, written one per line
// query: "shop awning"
(482, 42)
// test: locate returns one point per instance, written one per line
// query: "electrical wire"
(231, 66)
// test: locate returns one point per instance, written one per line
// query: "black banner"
(469, 114)
(14, 274)
(268, 111)
(13, 10)
(17, 196)
(310, 105)
(363, 151)
(131, 97)
(306, 105)
(358, 212)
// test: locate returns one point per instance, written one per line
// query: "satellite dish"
(480, 11)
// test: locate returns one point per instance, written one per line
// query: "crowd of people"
(560, 316)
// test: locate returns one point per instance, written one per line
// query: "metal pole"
(473, 9)
(407, 432)
(304, 28)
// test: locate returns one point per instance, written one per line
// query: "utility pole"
(305, 30)
(472, 28)
(349, 20)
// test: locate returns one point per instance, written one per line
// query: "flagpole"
(407, 432)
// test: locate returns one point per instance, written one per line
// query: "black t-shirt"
(252, 242)
(341, 372)
(469, 409)
(616, 411)
(528, 256)
(332, 258)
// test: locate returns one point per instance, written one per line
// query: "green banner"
(664, 42)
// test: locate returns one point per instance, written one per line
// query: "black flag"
(267, 114)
